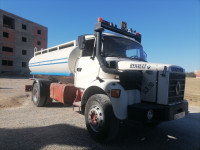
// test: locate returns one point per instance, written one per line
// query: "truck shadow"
(57, 105)
(131, 136)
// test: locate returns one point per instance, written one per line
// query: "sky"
(170, 28)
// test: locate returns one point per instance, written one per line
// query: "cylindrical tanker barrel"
(57, 61)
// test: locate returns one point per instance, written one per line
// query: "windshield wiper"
(122, 57)
(134, 57)
(112, 56)
(119, 56)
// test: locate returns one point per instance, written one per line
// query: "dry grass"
(192, 91)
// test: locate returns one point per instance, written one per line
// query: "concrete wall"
(33, 38)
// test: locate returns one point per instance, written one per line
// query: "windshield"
(122, 47)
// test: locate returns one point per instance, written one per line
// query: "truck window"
(89, 46)
(122, 47)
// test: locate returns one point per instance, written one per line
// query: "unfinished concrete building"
(18, 39)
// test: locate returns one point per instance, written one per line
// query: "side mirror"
(81, 42)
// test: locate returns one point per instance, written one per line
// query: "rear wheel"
(38, 99)
(100, 120)
(48, 101)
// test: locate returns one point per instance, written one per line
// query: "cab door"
(87, 71)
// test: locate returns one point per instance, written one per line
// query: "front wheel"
(100, 120)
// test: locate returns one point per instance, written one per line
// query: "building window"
(24, 26)
(24, 64)
(7, 63)
(5, 34)
(10, 63)
(24, 39)
(8, 22)
(7, 49)
(38, 43)
(4, 62)
(39, 31)
(24, 52)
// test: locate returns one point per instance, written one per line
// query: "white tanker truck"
(108, 76)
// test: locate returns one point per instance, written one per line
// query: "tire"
(101, 123)
(38, 99)
(48, 101)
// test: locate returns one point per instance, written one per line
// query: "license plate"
(179, 115)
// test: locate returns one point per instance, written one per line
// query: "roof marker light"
(100, 19)
(123, 25)
(130, 30)
(111, 24)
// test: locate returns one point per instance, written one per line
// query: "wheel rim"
(35, 95)
(95, 118)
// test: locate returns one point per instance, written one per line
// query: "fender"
(120, 104)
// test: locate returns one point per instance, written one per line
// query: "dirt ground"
(12, 93)
(192, 91)
(24, 126)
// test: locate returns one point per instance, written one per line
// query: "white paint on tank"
(52, 61)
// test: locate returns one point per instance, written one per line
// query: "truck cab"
(115, 65)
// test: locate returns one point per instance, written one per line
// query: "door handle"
(79, 69)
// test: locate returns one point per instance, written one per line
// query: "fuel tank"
(64, 93)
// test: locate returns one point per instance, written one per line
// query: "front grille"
(176, 87)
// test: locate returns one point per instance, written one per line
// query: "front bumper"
(160, 112)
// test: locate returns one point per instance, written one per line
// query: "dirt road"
(57, 127)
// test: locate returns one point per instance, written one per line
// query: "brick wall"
(23, 38)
